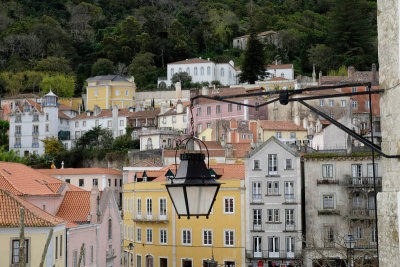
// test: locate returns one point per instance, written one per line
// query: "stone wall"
(388, 49)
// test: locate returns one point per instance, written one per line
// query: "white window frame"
(203, 233)
(162, 215)
(149, 230)
(288, 166)
(139, 234)
(139, 207)
(161, 239)
(328, 202)
(256, 164)
(224, 206)
(149, 207)
(327, 171)
(272, 164)
(230, 244)
(183, 241)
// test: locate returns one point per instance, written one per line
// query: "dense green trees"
(59, 37)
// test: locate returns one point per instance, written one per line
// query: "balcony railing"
(17, 145)
(364, 181)
(290, 227)
(257, 198)
(289, 198)
(35, 133)
(155, 217)
(362, 213)
(265, 254)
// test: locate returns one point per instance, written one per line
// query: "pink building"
(207, 111)
(95, 222)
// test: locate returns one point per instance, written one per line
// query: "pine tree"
(253, 66)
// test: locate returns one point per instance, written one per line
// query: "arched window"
(149, 261)
(208, 70)
(222, 72)
(188, 70)
(283, 75)
(172, 72)
(195, 71)
(202, 71)
(180, 69)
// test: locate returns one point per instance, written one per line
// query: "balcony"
(257, 199)
(35, 145)
(290, 227)
(361, 182)
(35, 133)
(265, 254)
(257, 227)
(329, 212)
(155, 217)
(289, 199)
(362, 214)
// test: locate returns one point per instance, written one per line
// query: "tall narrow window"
(257, 197)
(207, 237)
(289, 192)
(272, 164)
(139, 207)
(289, 219)
(273, 247)
(149, 206)
(257, 215)
(229, 238)
(163, 207)
(257, 248)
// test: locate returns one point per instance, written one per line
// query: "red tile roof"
(281, 66)
(280, 125)
(79, 171)
(277, 79)
(144, 113)
(105, 113)
(225, 171)
(191, 61)
(75, 206)
(25, 180)
(34, 217)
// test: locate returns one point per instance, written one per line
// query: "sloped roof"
(281, 66)
(25, 180)
(274, 139)
(114, 78)
(224, 171)
(277, 79)
(280, 125)
(34, 217)
(105, 113)
(75, 206)
(79, 171)
(144, 113)
(191, 61)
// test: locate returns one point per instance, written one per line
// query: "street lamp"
(193, 190)
(350, 243)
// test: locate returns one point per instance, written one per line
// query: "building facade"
(339, 200)
(110, 90)
(273, 205)
(201, 70)
(161, 239)
(31, 122)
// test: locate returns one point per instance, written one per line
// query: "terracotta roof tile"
(225, 171)
(277, 79)
(280, 125)
(75, 206)
(144, 113)
(79, 171)
(25, 180)
(281, 66)
(191, 61)
(34, 217)
(105, 113)
(63, 116)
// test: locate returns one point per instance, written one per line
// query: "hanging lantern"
(193, 190)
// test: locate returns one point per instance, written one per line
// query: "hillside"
(59, 43)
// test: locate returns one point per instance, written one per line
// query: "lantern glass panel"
(178, 198)
(200, 198)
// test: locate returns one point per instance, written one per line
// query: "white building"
(201, 70)
(31, 122)
(174, 118)
(115, 120)
(273, 205)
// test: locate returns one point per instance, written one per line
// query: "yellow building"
(109, 90)
(283, 130)
(160, 239)
(38, 225)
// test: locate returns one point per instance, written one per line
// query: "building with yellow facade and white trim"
(109, 90)
(160, 239)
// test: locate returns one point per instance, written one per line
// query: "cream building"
(175, 118)
(109, 90)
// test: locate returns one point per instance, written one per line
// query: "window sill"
(291, 169)
(329, 212)
(267, 195)
(273, 222)
(327, 181)
(272, 175)
(256, 170)
(256, 203)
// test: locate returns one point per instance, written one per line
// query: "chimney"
(320, 78)
(179, 107)
(115, 121)
(314, 75)
(297, 120)
(94, 204)
(374, 79)
(204, 90)
(350, 71)
(228, 150)
(131, 109)
(178, 90)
